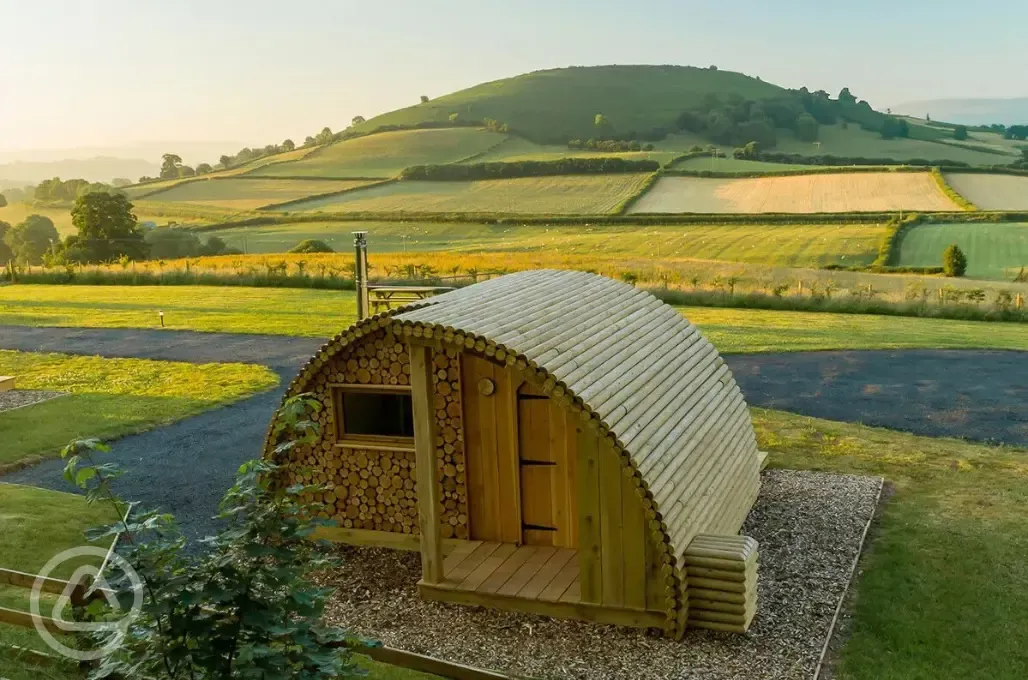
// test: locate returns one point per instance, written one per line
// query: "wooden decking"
(530, 579)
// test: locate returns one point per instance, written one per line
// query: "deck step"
(6, 383)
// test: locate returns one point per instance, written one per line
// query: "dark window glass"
(381, 414)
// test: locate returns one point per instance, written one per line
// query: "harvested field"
(247, 194)
(576, 194)
(991, 192)
(856, 192)
(994, 251)
(386, 153)
(809, 526)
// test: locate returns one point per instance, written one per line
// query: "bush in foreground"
(244, 608)
(954, 262)
(311, 245)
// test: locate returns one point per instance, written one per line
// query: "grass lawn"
(111, 397)
(571, 194)
(323, 313)
(943, 588)
(994, 251)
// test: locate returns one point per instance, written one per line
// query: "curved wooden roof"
(637, 368)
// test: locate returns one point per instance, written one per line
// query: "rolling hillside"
(555, 105)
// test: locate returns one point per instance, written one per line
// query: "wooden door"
(546, 446)
(488, 394)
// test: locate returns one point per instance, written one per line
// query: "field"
(386, 154)
(245, 194)
(854, 141)
(991, 192)
(132, 394)
(579, 194)
(13, 213)
(994, 251)
(783, 245)
(861, 191)
(521, 149)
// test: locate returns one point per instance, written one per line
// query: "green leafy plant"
(244, 607)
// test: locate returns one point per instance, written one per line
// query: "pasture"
(780, 245)
(13, 213)
(853, 141)
(579, 194)
(849, 192)
(994, 251)
(520, 149)
(385, 154)
(245, 194)
(991, 192)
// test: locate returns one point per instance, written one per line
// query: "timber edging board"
(6, 383)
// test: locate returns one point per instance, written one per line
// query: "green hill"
(555, 105)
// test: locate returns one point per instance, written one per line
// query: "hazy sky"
(95, 73)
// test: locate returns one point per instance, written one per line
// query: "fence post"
(1020, 301)
(360, 272)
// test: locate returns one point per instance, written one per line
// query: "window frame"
(366, 441)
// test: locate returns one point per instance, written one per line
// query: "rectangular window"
(374, 414)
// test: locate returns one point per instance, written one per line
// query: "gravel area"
(13, 399)
(808, 524)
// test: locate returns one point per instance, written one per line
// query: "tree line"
(561, 166)
(106, 231)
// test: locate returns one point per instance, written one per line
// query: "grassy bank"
(943, 588)
(109, 398)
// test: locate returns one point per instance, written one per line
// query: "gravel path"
(13, 399)
(808, 524)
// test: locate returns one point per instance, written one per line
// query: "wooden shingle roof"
(655, 385)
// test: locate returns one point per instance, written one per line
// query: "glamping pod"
(551, 442)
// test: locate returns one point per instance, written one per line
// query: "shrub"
(311, 245)
(244, 607)
(954, 262)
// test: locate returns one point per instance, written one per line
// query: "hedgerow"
(502, 170)
(950, 192)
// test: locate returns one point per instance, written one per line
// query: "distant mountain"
(970, 111)
(99, 169)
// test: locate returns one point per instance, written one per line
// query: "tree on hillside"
(3, 201)
(309, 141)
(204, 168)
(169, 165)
(30, 239)
(806, 128)
(119, 182)
(325, 136)
(186, 171)
(225, 161)
(602, 123)
(357, 120)
(846, 97)
(960, 132)
(107, 229)
(288, 145)
(893, 127)
(453, 117)
(424, 99)
(6, 254)
(954, 262)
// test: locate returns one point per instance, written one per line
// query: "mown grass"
(580, 194)
(943, 587)
(994, 251)
(279, 311)
(385, 154)
(991, 192)
(319, 313)
(110, 398)
(247, 194)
